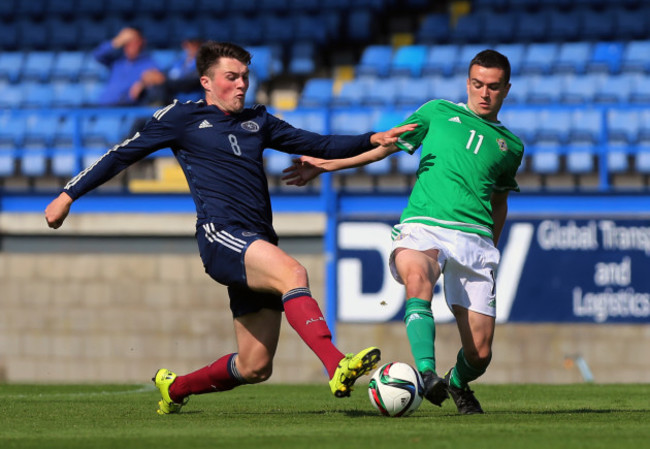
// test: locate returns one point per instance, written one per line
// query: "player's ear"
(206, 83)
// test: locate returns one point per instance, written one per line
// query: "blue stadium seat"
(413, 92)
(262, 64)
(32, 35)
(606, 57)
(553, 126)
(450, 88)
(545, 158)
(359, 25)
(310, 119)
(317, 92)
(587, 125)
(352, 93)
(62, 34)
(389, 118)
(407, 164)
(246, 30)
(153, 8)
(515, 54)
(32, 9)
(572, 57)
(165, 57)
(441, 60)
(214, 28)
(381, 92)
(9, 39)
(37, 95)
(11, 65)
(67, 94)
(539, 58)
(640, 92)
(278, 29)
(351, 121)
(272, 6)
(11, 96)
(618, 157)
(642, 159)
(302, 58)
(465, 55)
(408, 60)
(493, 25)
(206, 8)
(623, 125)
(276, 161)
(581, 158)
(375, 61)
(616, 88)
(531, 27)
(93, 9)
(311, 28)
(644, 126)
(67, 65)
(629, 24)
(519, 89)
(596, 25)
(546, 89)
(91, 91)
(12, 130)
(434, 29)
(582, 89)
(103, 130)
(155, 32)
(37, 66)
(305, 5)
(636, 57)
(92, 32)
(468, 29)
(522, 122)
(92, 70)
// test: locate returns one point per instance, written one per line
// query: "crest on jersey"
(250, 126)
(503, 146)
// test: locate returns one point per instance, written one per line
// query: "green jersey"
(464, 159)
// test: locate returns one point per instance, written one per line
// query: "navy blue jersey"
(221, 155)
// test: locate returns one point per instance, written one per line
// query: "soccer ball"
(396, 389)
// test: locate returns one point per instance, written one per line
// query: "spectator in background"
(127, 60)
(157, 88)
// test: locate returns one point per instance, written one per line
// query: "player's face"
(226, 87)
(486, 90)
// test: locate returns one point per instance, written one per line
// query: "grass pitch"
(309, 417)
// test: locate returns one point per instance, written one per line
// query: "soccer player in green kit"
(452, 222)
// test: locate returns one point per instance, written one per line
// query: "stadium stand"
(580, 70)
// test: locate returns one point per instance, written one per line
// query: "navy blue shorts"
(222, 250)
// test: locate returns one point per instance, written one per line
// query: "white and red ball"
(396, 389)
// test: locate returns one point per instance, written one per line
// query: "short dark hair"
(492, 58)
(211, 51)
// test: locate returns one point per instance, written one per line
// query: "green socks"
(463, 372)
(421, 332)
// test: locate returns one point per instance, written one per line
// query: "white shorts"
(468, 262)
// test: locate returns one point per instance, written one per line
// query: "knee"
(479, 357)
(418, 286)
(257, 373)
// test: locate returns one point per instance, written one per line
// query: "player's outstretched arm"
(306, 168)
(58, 210)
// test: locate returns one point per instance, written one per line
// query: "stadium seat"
(310, 28)
(441, 60)
(636, 57)
(587, 125)
(381, 92)
(302, 58)
(205, 8)
(582, 89)
(152, 8)
(11, 65)
(11, 96)
(596, 25)
(644, 126)
(531, 27)
(389, 118)
(519, 89)
(12, 130)
(351, 121)
(37, 66)
(616, 88)
(214, 28)
(310, 119)
(629, 24)
(623, 125)
(493, 25)
(414, 92)
(469, 29)
(67, 65)
(522, 122)
(581, 158)
(37, 95)
(91, 69)
(262, 62)
(103, 130)
(539, 58)
(618, 157)
(62, 34)
(572, 57)
(407, 164)
(642, 159)
(515, 54)
(359, 25)
(465, 55)
(545, 158)
(67, 94)
(606, 57)
(317, 92)
(452, 88)
(278, 29)
(553, 126)
(92, 32)
(165, 57)
(276, 161)
(640, 92)
(434, 29)
(352, 92)
(408, 60)
(546, 89)
(32, 35)
(375, 61)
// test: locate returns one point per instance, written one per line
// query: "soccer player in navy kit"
(219, 145)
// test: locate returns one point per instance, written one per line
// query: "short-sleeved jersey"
(221, 156)
(464, 159)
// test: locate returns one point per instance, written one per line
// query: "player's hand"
(385, 138)
(303, 170)
(58, 210)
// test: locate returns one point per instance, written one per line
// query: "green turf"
(308, 417)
